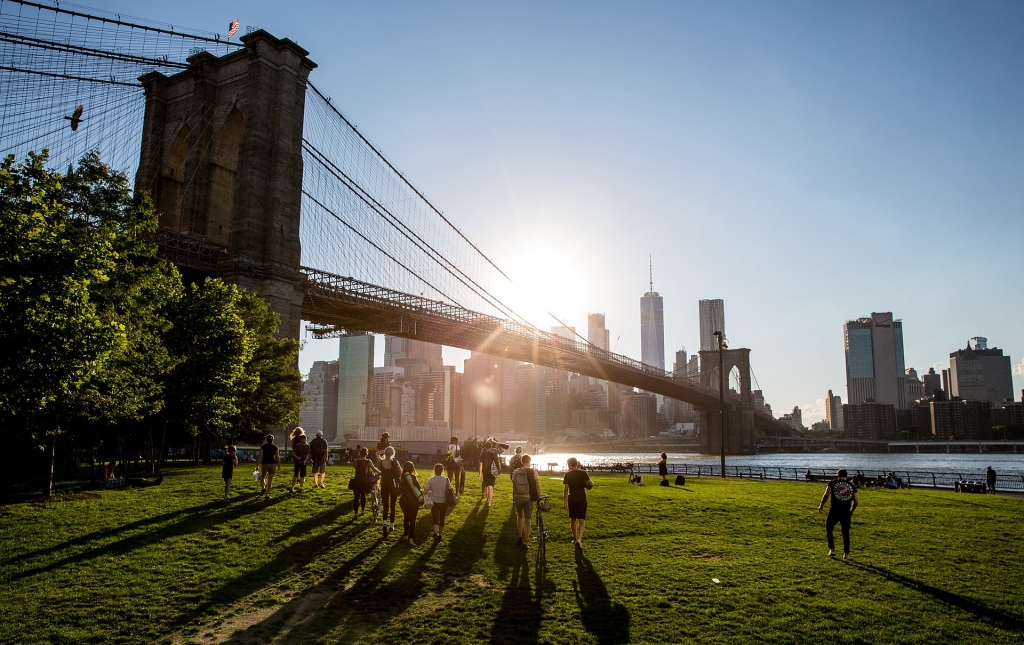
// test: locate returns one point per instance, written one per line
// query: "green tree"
(60, 241)
(274, 398)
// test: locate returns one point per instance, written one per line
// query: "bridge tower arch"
(222, 158)
(739, 419)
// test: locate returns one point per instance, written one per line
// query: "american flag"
(233, 28)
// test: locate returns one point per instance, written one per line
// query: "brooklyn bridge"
(260, 179)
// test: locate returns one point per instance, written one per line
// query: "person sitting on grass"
(230, 461)
(525, 491)
(300, 455)
(269, 460)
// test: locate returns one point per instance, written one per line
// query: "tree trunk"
(49, 479)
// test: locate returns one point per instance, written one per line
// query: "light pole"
(721, 396)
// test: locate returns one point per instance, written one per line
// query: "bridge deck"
(355, 306)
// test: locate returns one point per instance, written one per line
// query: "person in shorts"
(270, 459)
(318, 455)
(436, 491)
(300, 457)
(576, 483)
(525, 491)
(488, 465)
(842, 494)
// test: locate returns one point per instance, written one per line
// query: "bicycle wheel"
(376, 506)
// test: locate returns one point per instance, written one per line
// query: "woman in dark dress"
(363, 482)
(411, 499)
(228, 471)
(663, 469)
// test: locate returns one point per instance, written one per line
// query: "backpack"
(521, 482)
(318, 448)
(514, 463)
(495, 467)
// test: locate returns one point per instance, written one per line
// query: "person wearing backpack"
(300, 455)
(453, 462)
(525, 491)
(390, 478)
(318, 453)
(515, 462)
(490, 468)
(411, 499)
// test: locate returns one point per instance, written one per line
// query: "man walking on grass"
(318, 453)
(574, 497)
(525, 491)
(843, 495)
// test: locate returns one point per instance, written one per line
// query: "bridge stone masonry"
(255, 176)
(222, 159)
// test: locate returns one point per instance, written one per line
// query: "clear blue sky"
(807, 162)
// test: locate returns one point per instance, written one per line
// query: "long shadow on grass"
(467, 544)
(607, 621)
(994, 616)
(518, 620)
(122, 528)
(506, 555)
(190, 523)
(355, 608)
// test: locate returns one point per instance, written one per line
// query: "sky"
(807, 162)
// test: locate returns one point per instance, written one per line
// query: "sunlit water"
(958, 463)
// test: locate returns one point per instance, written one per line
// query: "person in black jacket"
(318, 455)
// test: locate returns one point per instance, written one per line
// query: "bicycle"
(375, 501)
(543, 506)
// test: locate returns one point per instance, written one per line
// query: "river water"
(955, 463)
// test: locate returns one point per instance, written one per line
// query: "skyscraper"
(355, 371)
(319, 408)
(597, 335)
(932, 382)
(834, 411)
(712, 319)
(874, 360)
(396, 348)
(652, 328)
(981, 374)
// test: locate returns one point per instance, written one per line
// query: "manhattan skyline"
(807, 164)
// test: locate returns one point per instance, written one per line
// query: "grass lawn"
(175, 564)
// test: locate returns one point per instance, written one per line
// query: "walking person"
(300, 456)
(453, 463)
(990, 479)
(663, 469)
(515, 463)
(490, 468)
(318, 457)
(269, 460)
(575, 485)
(363, 481)
(525, 491)
(385, 441)
(228, 471)
(436, 492)
(410, 500)
(842, 494)
(390, 481)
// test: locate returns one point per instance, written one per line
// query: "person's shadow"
(518, 620)
(608, 621)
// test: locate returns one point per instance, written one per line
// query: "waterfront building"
(981, 374)
(869, 420)
(319, 407)
(961, 420)
(639, 415)
(834, 411)
(355, 371)
(931, 382)
(913, 387)
(712, 319)
(652, 329)
(794, 419)
(760, 403)
(875, 369)
(916, 421)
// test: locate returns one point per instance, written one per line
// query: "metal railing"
(910, 478)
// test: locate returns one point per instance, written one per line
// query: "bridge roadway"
(349, 305)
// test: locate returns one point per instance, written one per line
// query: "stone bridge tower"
(222, 160)
(739, 420)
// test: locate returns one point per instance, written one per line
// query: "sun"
(550, 279)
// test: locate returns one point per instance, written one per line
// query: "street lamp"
(721, 395)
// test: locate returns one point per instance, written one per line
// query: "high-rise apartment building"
(652, 329)
(355, 371)
(869, 420)
(712, 319)
(319, 408)
(875, 369)
(834, 411)
(913, 387)
(981, 374)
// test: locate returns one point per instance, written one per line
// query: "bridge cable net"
(69, 79)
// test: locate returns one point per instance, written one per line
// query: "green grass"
(174, 564)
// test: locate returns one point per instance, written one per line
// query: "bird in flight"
(76, 118)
